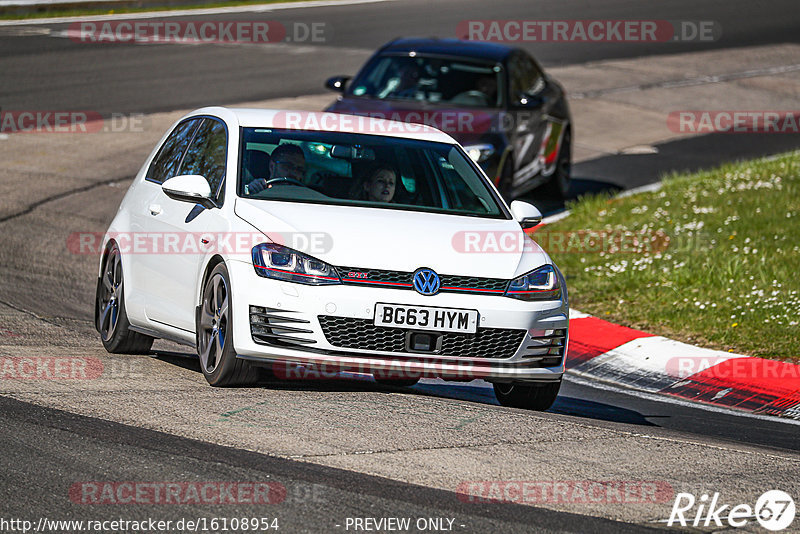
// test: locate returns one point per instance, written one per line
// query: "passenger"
(286, 161)
(379, 184)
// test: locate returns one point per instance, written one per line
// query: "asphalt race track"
(339, 448)
(120, 77)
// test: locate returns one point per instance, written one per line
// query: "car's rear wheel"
(110, 317)
(558, 185)
(218, 359)
(528, 396)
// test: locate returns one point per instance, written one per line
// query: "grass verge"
(711, 258)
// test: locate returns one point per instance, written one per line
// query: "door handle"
(155, 209)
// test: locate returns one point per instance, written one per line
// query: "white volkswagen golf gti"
(280, 240)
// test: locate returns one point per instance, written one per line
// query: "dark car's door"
(531, 99)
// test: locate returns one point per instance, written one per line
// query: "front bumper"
(539, 324)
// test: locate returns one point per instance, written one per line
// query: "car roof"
(449, 47)
(324, 122)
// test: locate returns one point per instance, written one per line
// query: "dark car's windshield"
(367, 170)
(451, 81)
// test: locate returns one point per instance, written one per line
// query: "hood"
(465, 125)
(391, 239)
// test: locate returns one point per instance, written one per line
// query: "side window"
(165, 164)
(207, 154)
(525, 77)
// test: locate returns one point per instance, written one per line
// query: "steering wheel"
(473, 97)
(285, 180)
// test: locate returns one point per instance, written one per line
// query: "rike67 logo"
(774, 511)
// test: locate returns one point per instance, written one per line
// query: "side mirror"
(337, 83)
(189, 188)
(526, 214)
(525, 100)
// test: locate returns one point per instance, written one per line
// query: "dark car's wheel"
(214, 328)
(558, 185)
(529, 396)
(110, 317)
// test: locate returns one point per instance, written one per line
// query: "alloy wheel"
(213, 322)
(110, 295)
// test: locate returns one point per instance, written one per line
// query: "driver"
(286, 161)
(487, 84)
(404, 84)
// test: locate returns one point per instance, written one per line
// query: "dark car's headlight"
(539, 284)
(480, 152)
(282, 263)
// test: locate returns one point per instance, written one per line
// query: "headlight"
(539, 284)
(282, 263)
(479, 153)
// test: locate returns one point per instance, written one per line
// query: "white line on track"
(257, 8)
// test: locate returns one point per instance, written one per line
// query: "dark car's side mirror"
(526, 100)
(337, 83)
(533, 98)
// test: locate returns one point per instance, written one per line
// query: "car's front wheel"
(218, 359)
(110, 317)
(528, 396)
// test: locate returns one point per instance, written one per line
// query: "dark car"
(495, 100)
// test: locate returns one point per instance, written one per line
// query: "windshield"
(365, 170)
(453, 81)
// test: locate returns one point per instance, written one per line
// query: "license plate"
(426, 318)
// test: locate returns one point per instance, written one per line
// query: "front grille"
(495, 285)
(346, 332)
(374, 275)
(273, 326)
(403, 280)
(546, 347)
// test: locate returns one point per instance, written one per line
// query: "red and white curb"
(625, 356)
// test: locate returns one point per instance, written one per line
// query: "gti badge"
(426, 281)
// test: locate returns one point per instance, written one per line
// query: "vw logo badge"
(426, 281)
